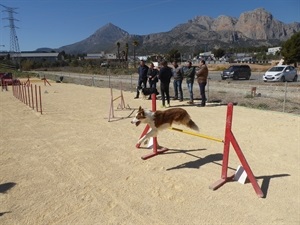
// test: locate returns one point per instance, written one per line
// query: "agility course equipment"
(121, 105)
(45, 81)
(229, 139)
(4, 86)
(197, 134)
(24, 92)
(156, 149)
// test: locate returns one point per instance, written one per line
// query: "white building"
(272, 51)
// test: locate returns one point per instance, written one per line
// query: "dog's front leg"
(151, 133)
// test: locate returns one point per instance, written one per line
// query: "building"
(36, 56)
(273, 51)
(95, 55)
(102, 55)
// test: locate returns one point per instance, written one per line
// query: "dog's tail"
(191, 124)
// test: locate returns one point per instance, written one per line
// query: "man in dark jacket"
(142, 71)
(165, 74)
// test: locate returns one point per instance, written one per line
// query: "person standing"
(202, 75)
(189, 74)
(142, 81)
(177, 83)
(165, 74)
(152, 77)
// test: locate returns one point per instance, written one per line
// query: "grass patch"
(263, 106)
(248, 96)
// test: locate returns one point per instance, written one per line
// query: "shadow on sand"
(266, 181)
(6, 186)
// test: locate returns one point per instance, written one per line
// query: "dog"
(148, 92)
(161, 120)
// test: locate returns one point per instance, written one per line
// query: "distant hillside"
(253, 28)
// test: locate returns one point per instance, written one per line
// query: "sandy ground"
(71, 166)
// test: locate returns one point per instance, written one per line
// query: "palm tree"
(118, 45)
(135, 43)
(126, 51)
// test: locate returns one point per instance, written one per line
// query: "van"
(236, 72)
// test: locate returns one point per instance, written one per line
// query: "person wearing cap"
(142, 81)
(202, 75)
(165, 74)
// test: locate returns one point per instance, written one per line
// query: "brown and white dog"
(161, 120)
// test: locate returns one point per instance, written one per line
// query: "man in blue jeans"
(142, 82)
(189, 75)
(177, 83)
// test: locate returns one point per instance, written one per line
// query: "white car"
(281, 73)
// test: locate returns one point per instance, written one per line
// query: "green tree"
(291, 49)
(118, 45)
(126, 52)
(27, 65)
(218, 53)
(173, 55)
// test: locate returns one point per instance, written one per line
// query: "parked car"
(281, 73)
(104, 64)
(7, 78)
(236, 72)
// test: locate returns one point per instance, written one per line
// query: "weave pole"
(230, 139)
(156, 150)
(40, 95)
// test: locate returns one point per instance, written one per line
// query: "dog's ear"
(140, 108)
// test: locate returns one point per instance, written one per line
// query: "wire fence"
(276, 96)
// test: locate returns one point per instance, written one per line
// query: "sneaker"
(136, 97)
(175, 98)
(181, 100)
(190, 102)
(168, 106)
(162, 106)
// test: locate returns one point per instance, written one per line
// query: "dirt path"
(71, 166)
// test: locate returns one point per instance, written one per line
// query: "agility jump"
(229, 139)
(121, 105)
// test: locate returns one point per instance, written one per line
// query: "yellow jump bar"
(197, 134)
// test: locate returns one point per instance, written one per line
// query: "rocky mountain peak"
(257, 27)
(259, 24)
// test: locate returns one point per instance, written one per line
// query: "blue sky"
(55, 23)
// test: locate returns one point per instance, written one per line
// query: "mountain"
(253, 28)
(101, 40)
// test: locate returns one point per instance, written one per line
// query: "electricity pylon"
(14, 43)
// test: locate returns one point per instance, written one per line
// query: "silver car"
(281, 73)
